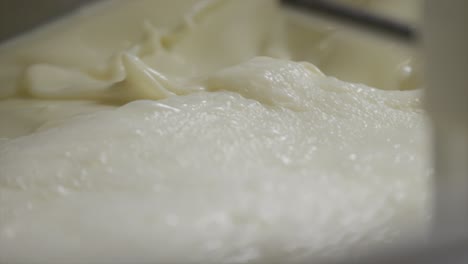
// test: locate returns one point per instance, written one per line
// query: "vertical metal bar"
(446, 50)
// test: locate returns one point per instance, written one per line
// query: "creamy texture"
(358, 56)
(235, 154)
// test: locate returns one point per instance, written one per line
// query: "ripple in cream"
(194, 132)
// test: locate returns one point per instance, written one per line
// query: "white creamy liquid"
(213, 154)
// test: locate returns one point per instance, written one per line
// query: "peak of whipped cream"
(182, 133)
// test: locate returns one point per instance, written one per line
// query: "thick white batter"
(230, 158)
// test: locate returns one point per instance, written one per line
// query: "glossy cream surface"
(193, 134)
